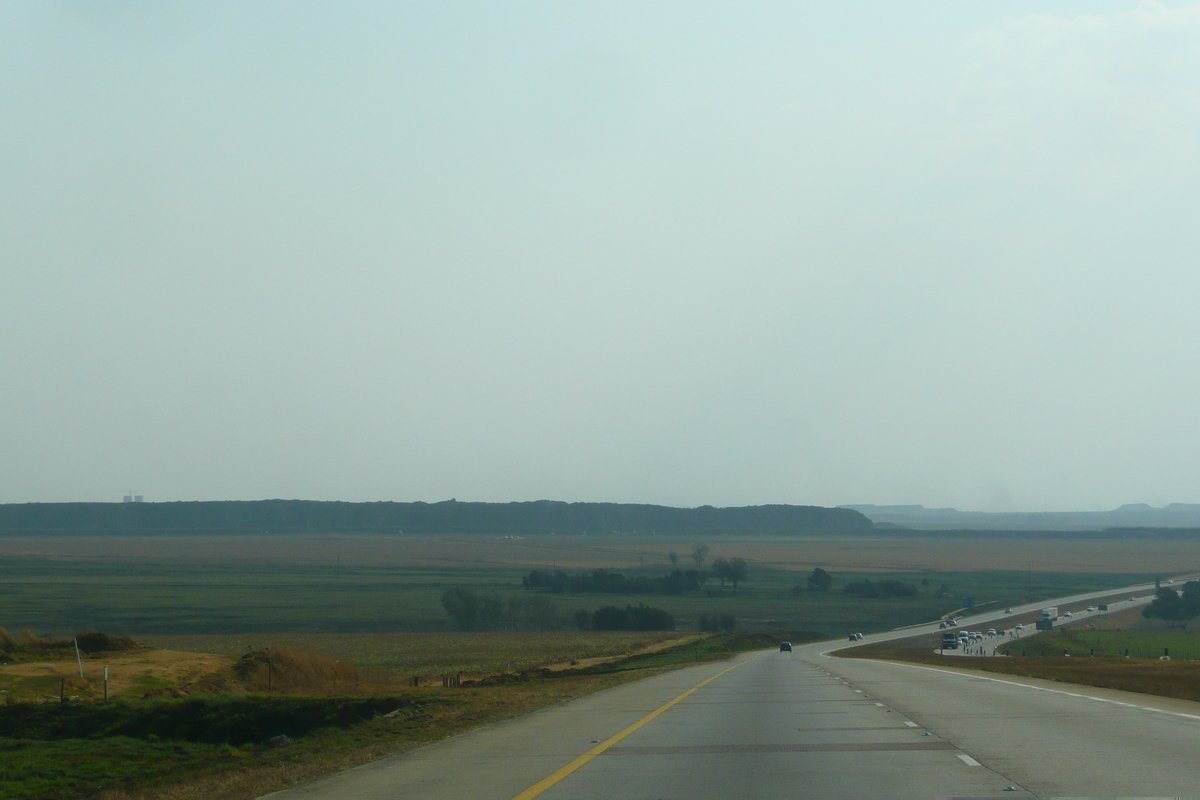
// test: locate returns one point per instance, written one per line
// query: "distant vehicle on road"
(1091, 608)
(953, 623)
(858, 636)
(1067, 614)
(1020, 627)
(854, 637)
(785, 647)
(941, 625)
(1008, 611)
(1050, 613)
(991, 631)
(949, 641)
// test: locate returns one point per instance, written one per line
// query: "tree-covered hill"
(542, 516)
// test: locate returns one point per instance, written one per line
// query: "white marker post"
(106, 684)
(78, 658)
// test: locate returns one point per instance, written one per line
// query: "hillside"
(1131, 515)
(543, 516)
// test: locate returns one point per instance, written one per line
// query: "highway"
(809, 724)
(987, 646)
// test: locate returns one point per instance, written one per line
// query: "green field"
(62, 595)
(1181, 645)
(387, 656)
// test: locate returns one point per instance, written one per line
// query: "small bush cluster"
(716, 623)
(632, 618)
(294, 670)
(472, 610)
(884, 589)
(28, 645)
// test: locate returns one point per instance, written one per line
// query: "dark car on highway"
(785, 647)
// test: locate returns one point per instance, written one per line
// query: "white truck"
(1050, 613)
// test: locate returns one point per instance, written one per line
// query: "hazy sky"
(674, 253)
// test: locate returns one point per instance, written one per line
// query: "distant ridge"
(1130, 515)
(541, 516)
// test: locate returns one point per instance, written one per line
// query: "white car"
(1091, 608)
(991, 631)
(1067, 614)
(1019, 627)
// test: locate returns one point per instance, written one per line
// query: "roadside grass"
(214, 746)
(1180, 645)
(1176, 679)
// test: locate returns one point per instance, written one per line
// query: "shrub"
(885, 589)
(632, 618)
(716, 622)
(293, 669)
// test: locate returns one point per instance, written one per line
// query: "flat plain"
(326, 583)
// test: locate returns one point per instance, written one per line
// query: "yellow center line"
(562, 772)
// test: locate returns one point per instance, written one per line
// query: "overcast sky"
(684, 253)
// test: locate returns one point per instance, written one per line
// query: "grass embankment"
(215, 746)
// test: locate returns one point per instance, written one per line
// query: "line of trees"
(821, 581)
(716, 622)
(885, 589)
(630, 618)
(472, 610)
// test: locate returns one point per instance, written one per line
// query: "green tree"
(674, 557)
(462, 605)
(491, 610)
(1170, 606)
(720, 570)
(820, 580)
(699, 554)
(737, 572)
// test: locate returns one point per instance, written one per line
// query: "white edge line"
(1039, 688)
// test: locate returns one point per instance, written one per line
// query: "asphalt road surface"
(808, 725)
